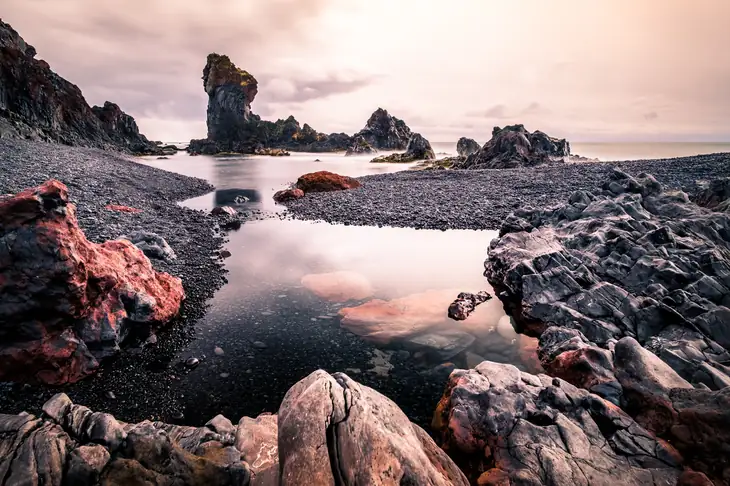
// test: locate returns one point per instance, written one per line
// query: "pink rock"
(338, 286)
(288, 195)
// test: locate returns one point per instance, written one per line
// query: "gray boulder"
(467, 146)
(152, 245)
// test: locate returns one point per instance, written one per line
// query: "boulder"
(513, 146)
(467, 146)
(465, 304)
(39, 104)
(418, 149)
(385, 132)
(360, 146)
(324, 181)
(288, 195)
(714, 195)
(152, 245)
(503, 426)
(333, 430)
(67, 303)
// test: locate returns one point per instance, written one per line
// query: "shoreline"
(435, 199)
(96, 178)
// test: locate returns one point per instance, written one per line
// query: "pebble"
(225, 375)
(192, 362)
(219, 351)
(110, 395)
(259, 345)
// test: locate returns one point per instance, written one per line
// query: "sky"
(587, 70)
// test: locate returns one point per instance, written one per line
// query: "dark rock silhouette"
(418, 149)
(360, 146)
(385, 132)
(467, 146)
(38, 104)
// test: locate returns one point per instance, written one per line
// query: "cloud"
(652, 115)
(298, 90)
(502, 112)
(496, 111)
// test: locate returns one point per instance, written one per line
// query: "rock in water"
(324, 181)
(418, 149)
(467, 146)
(465, 304)
(38, 104)
(385, 132)
(504, 426)
(333, 430)
(67, 302)
(513, 146)
(360, 146)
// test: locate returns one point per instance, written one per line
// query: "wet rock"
(513, 146)
(84, 296)
(385, 132)
(508, 427)
(288, 195)
(324, 420)
(418, 149)
(338, 286)
(465, 304)
(152, 245)
(360, 146)
(223, 211)
(192, 362)
(324, 181)
(467, 146)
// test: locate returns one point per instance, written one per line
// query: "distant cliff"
(38, 104)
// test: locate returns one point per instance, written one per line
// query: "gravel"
(96, 178)
(481, 199)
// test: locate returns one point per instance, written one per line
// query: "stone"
(152, 245)
(223, 211)
(85, 464)
(57, 406)
(385, 132)
(84, 297)
(221, 425)
(288, 195)
(121, 209)
(713, 195)
(38, 104)
(192, 362)
(324, 421)
(465, 304)
(338, 286)
(514, 146)
(360, 146)
(418, 148)
(257, 439)
(324, 181)
(504, 426)
(467, 146)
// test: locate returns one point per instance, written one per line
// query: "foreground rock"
(329, 430)
(513, 146)
(467, 146)
(385, 132)
(288, 195)
(67, 303)
(38, 104)
(324, 181)
(504, 426)
(608, 273)
(418, 149)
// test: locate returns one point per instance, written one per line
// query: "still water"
(301, 295)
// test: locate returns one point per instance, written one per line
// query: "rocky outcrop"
(38, 104)
(714, 195)
(418, 149)
(234, 127)
(324, 181)
(360, 146)
(467, 146)
(329, 430)
(385, 132)
(503, 426)
(629, 290)
(67, 303)
(513, 146)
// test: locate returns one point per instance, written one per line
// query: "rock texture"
(467, 146)
(513, 146)
(385, 132)
(329, 430)
(288, 195)
(360, 146)
(507, 427)
(628, 289)
(714, 195)
(324, 181)
(418, 149)
(465, 304)
(38, 104)
(67, 302)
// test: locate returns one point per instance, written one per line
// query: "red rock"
(123, 209)
(324, 181)
(288, 195)
(66, 301)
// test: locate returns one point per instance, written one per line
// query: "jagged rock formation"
(329, 430)
(465, 303)
(513, 146)
(418, 149)
(467, 146)
(66, 302)
(360, 146)
(385, 132)
(38, 104)
(503, 426)
(629, 262)
(714, 195)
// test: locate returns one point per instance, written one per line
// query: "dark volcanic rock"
(152, 245)
(465, 304)
(714, 195)
(67, 302)
(385, 132)
(360, 146)
(513, 146)
(418, 149)
(324, 181)
(38, 104)
(503, 426)
(467, 146)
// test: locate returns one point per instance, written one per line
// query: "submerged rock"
(67, 303)
(338, 286)
(385, 132)
(513, 146)
(467, 146)
(418, 149)
(324, 181)
(465, 304)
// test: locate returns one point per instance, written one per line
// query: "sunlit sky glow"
(603, 70)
